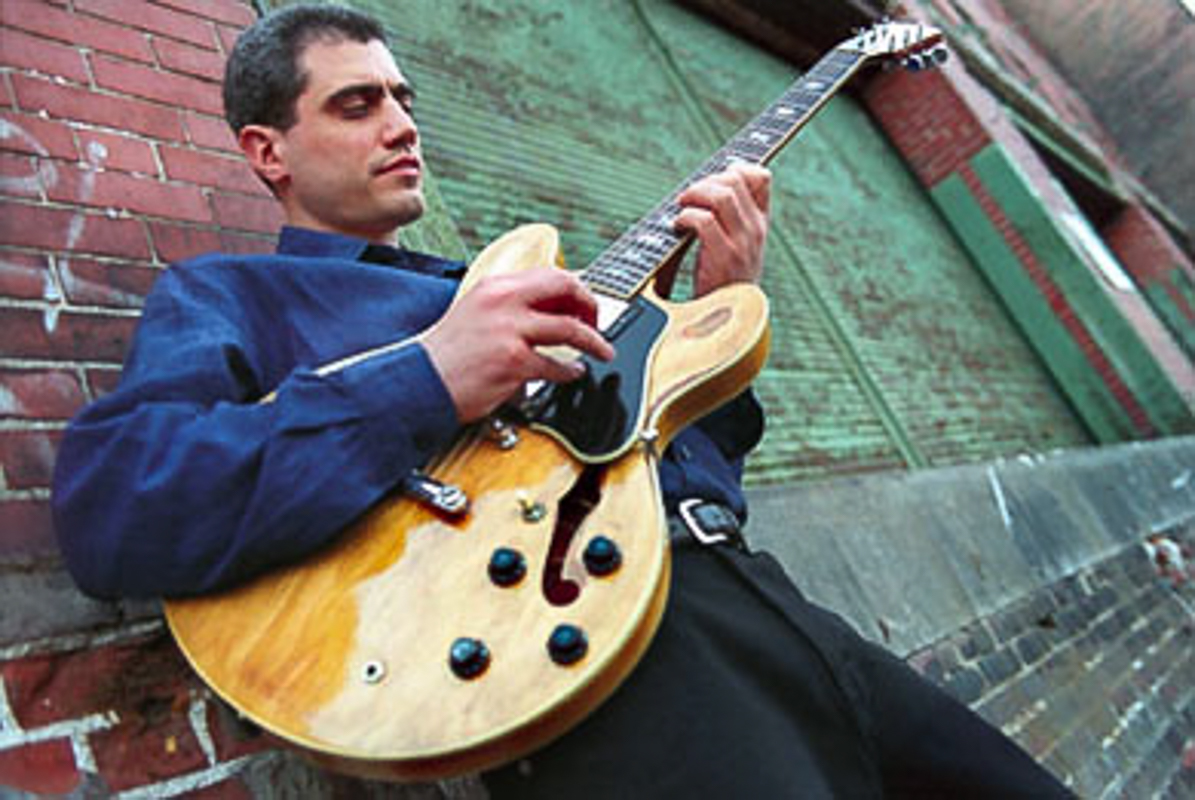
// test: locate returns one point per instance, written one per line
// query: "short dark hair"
(262, 79)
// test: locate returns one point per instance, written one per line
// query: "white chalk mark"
(191, 782)
(44, 175)
(998, 494)
(198, 717)
(53, 296)
(11, 406)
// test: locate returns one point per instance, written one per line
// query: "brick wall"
(113, 162)
(1094, 675)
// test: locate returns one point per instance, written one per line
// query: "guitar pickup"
(437, 495)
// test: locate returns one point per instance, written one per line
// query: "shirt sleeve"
(180, 482)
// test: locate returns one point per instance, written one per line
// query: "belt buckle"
(685, 510)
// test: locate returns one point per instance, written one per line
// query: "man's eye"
(354, 110)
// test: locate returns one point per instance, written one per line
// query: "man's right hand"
(485, 346)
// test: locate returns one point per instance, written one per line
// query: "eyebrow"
(401, 91)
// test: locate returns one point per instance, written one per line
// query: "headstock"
(912, 44)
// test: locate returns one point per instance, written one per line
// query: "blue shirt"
(180, 482)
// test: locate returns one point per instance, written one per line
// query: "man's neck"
(388, 237)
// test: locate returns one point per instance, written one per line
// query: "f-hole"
(575, 506)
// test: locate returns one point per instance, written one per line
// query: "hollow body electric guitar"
(502, 594)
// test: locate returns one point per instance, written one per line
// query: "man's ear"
(265, 150)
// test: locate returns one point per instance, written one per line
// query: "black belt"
(706, 523)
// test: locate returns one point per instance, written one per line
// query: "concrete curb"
(911, 557)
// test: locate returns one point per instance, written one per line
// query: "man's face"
(351, 162)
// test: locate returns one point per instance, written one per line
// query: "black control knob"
(568, 644)
(468, 658)
(602, 556)
(507, 566)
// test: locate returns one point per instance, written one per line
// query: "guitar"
(501, 597)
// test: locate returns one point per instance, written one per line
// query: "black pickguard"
(599, 413)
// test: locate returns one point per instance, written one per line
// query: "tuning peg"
(940, 55)
(916, 63)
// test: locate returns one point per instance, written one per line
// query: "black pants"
(750, 691)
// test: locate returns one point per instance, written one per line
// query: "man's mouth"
(408, 165)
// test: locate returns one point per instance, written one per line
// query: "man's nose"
(400, 128)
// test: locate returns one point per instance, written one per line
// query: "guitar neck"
(623, 268)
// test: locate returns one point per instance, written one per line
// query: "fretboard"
(622, 268)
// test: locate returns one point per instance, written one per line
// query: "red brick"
(232, 12)
(43, 768)
(26, 134)
(174, 243)
(240, 212)
(153, 18)
(196, 61)
(148, 750)
(73, 103)
(210, 132)
(99, 283)
(1143, 245)
(120, 190)
(117, 151)
(142, 81)
(228, 36)
(30, 333)
(102, 381)
(26, 533)
(927, 120)
(206, 169)
(32, 52)
(24, 275)
(146, 683)
(39, 394)
(54, 687)
(27, 457)
(55, 229)
(24, 176)
(36, 17)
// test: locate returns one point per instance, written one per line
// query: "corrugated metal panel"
(889, 349)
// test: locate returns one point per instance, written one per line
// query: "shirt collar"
(294, 241)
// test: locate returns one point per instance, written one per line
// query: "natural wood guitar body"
(346, 654)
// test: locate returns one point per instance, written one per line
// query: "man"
(180, 482)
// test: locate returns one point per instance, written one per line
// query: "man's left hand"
(728, 212)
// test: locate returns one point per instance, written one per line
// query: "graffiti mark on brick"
(43, 178)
